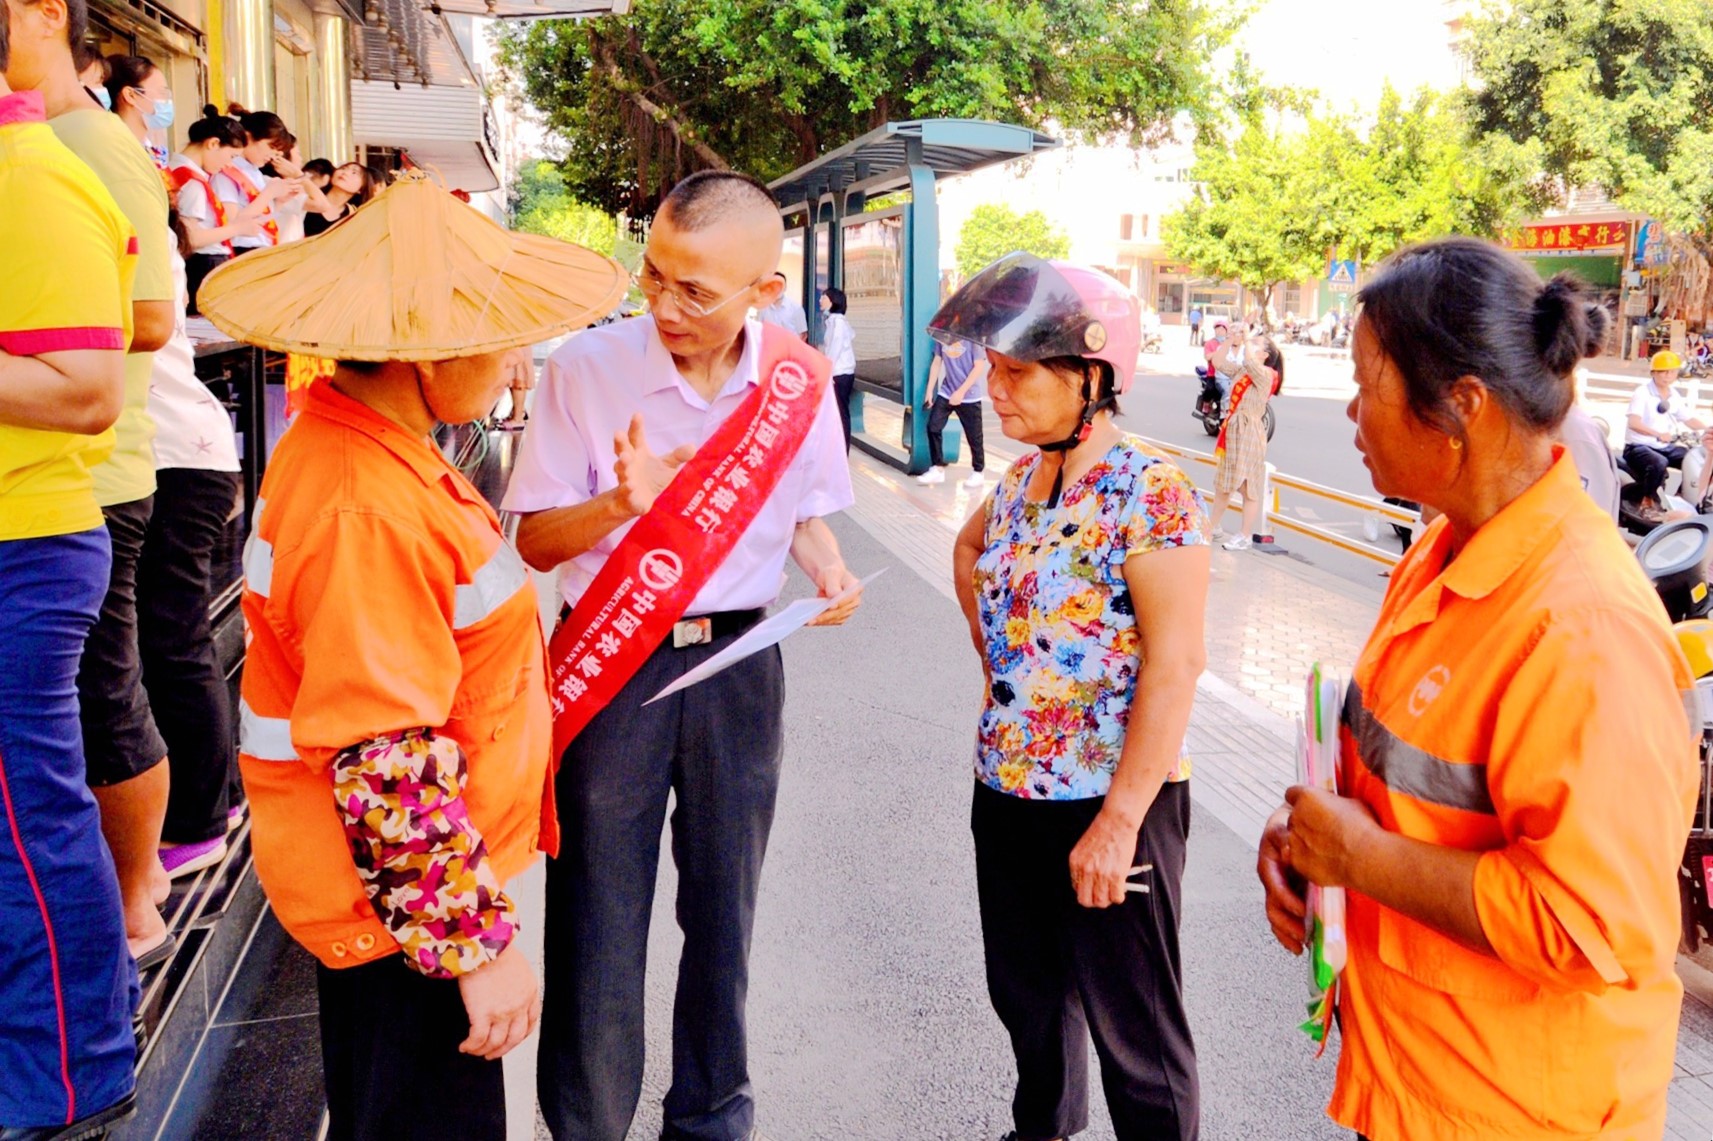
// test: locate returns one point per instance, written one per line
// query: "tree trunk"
(601, 56)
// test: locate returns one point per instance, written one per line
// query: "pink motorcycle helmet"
(1033, 309)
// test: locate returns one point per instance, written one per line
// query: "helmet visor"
(1020, 306)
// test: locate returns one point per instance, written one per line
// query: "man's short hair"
(711, 196)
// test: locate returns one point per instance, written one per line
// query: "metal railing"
(1278, 481)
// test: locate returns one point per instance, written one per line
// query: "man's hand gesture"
(643, 475)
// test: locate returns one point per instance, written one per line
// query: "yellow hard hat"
(1696, 639)
(1664, 361)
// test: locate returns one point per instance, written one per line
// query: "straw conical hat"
(413, 275)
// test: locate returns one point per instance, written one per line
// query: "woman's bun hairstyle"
(1461, 307)
(1561, 323)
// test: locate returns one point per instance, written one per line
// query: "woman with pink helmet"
(1088, 560)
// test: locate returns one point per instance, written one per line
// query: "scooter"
(1675, 558)
(1210, 405)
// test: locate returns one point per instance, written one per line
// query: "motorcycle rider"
(1656, 415)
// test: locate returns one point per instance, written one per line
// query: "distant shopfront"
(1595, 249)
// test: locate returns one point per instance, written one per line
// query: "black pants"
(389, 1056)
(969, 416)
(1195, 334)
(1649, 465)
(843, 385)
(716, 749)
(1057, 972)
(197, 267)
(187, 693)
(120, 740)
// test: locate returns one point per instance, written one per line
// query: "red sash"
(251, 192)
(671, 552)
(188, 172)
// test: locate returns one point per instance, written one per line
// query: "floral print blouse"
(1057, 620)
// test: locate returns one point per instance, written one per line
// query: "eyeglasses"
(653, 289)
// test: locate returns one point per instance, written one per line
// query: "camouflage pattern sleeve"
(420, 858)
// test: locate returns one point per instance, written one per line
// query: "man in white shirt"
(786, 313)
(1657, 415)
(619, 409)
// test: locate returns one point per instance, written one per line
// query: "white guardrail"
(1279, 482)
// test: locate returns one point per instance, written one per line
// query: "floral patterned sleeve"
(421, 860)
(1165, 511)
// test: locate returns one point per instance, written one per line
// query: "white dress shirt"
(839, 343)
(787, 314)
(226, 187)
(592, 386)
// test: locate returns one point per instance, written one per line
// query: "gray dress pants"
(716, 748)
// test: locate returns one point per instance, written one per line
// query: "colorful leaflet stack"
(1317, 767)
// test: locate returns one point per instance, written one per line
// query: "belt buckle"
(692, 632)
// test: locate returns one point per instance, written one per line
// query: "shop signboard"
(1570, 237)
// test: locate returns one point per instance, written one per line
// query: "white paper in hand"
(770, 631)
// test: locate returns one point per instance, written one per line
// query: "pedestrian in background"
(348, 189)
(66, 995)
(242, 183)
(955, 385)
(141, 98)
(1242, 445)
(210, 224)
(1195, 324)
(1657, 415)
(1084, 581)
(787, 312)
(196, 487)
(124, 753)
(1518, 771)
(838, 342)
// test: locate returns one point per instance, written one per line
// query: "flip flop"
(157, 954)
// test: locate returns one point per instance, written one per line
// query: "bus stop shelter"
(887, 261)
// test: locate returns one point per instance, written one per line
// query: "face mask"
(99, 94)
(161, 117)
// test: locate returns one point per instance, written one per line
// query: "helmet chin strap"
(1084, 428)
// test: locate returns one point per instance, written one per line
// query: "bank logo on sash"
(660, 569)
(668, 555)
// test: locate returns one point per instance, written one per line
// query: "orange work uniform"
(1525, 700)
(381, 596)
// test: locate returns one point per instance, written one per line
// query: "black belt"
(703, 628)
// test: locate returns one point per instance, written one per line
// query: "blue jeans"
(69, 984)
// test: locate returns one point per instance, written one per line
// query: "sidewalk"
(1269, 619)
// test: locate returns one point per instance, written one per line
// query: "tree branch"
(601, 55)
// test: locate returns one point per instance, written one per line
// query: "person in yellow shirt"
(123, 748)
(1518, 770)
(66, 1048)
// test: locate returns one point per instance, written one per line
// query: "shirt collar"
(22, 107)
(1512, 536)
(327, 402)
(660, 371)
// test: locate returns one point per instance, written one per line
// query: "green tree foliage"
(767, 85)
(992, 231)
(1615, 94)
(540, 204)
(1291, 191)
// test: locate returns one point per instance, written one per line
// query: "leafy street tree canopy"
(992, 231)
(1604, 93)
(540, 204)
(1292, 190)
(767, 85)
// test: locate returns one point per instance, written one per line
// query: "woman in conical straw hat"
(394, 726)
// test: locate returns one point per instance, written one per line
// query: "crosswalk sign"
(1341, 276)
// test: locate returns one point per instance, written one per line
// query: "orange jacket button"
(339, 950)
(365, 942)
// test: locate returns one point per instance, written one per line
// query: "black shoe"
(89, 1128)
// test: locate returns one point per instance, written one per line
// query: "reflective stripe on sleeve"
(1406, 769)
(264, 738)
(258, 556)
(492, 586)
